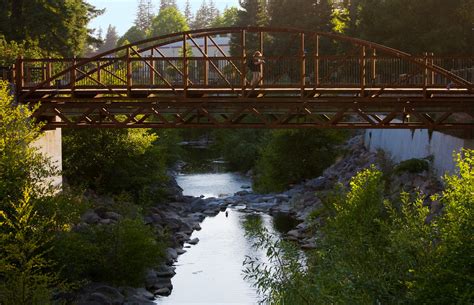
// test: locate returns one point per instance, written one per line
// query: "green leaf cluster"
(28, 275)
(290, 156)
(374, 251)
(117, 253)
(25, 240)
(443, 27)
(55, 26)
(114, 161)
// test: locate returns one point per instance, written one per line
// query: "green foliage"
(21, 165)
(280, 277)
(372, 251)
(117, 253)
(227, 19)
(55, 26)
(10, 50)
(132, 35)
(453, 268)
(206, 15)
(25, 239)
(416, 26)
(114, 161)
(169, 20)
(293, 155)
(240, 147)
(412, 166)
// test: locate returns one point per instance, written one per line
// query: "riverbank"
(184, 214)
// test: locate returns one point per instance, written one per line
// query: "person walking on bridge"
(256, 68)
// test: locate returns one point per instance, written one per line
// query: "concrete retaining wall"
(49, 144)
(405, 144)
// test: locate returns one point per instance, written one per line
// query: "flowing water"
(210, 273)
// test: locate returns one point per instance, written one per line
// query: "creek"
(210, 273)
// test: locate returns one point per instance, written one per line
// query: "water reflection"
(252, 223)
(283, 222)
(212, 185)
(211, 272)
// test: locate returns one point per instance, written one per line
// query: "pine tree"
(144, 15)
(201, 18)
(205, 15)
(213, 12)
(253, 13)
(168, 3)
(110, 41)
(63, 26)
(188, 14)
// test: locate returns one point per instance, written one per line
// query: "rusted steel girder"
(257, 113)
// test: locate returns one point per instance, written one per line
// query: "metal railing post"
(303, 66)
(73, 75)
(374, 67)
(152, 66)
(185, 67)
(261, 51)
(363, 71)
(206, 63)
(316, 63)
(244, 62)
(129, 72)
(20, 79)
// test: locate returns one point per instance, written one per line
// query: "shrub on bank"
(374, 251)
(290, 156)
(116, 253)
(114, 161)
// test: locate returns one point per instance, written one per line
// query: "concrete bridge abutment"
(50, 145)
(404, 144)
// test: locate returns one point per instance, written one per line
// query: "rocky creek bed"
(184, 214)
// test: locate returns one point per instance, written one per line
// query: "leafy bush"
(293, 155)
(240, 147)
(279, 278)
(28, 275)
(21, 165)
(412, 166)
(373, 251)
(114, 161)
(116, 253)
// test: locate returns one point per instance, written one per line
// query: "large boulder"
(90, 217)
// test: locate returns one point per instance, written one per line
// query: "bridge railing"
(282, 71)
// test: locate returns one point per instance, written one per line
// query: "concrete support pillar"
(49, 144)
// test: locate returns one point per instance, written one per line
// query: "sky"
(121, 13)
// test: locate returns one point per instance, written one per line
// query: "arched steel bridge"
(310, 79)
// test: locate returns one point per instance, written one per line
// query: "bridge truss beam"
(259, 113)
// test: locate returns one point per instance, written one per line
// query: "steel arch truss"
(307, 81)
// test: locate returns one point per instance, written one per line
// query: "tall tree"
(228, 18)
(205, 15)
(443, 27)
(168, 3)
(144, 15)
(253, 13)
(63, 26)
(169, 20)
(188, 14)
(110, 41)
(133, 34)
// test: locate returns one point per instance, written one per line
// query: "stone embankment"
(184, 214)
